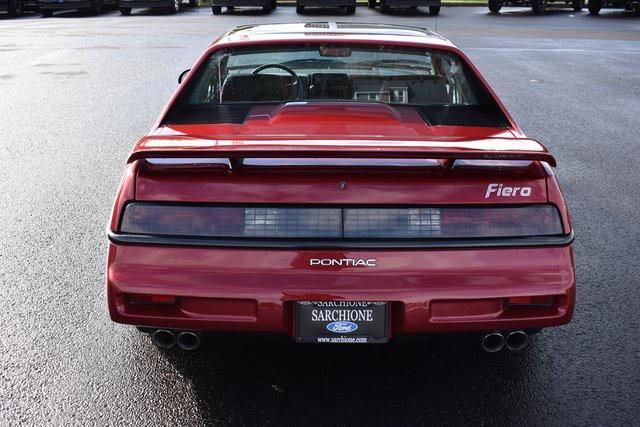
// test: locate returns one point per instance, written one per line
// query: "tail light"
(527, 301)
(341, 223)
(151, 299)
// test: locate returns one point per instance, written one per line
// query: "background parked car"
(217, 5)
(172, 6)
(47, 7)
(349, 6)
(17, 7)
(386, 5)
(596, 5)
(538, 6)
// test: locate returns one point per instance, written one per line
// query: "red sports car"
(338, 183)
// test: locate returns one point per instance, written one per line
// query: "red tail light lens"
(537, 220)
(545, 300)
(337, 223)
(151, 299)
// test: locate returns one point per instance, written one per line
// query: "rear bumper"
(138, 4)
(411, 3)
(67, 5)
(325, 3)
(255, 290)
(241, 3)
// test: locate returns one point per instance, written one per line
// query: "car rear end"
(243, 244)
(359, 191)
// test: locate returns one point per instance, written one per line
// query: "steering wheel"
(297, 83)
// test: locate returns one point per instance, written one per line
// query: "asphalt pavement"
(77, 91)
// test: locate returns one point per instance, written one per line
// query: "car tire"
(175, 6)
(538, 6)
(266, 8)
(578, 5)
(384, 8)
(350, 10)
(15, 7)
(47, 13)
(274, 4)
(495, 6)
(299, 9)
(371, 4)
(216, 10)
(125, 11)
(594, 6)
(434, 10)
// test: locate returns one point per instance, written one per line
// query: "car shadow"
(528, 13)
(405, 11)
(242, 382)
(324, 11)
(76, 13)
(27, 15)
(246, 11)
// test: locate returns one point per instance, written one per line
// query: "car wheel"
(126, 11)
(495, 6)
(350, 10)
(578, 5)
(538, 6)
(371, 4)
(434, 10)
(299, 9)
(217, 10)
(266, 8)
(384, 8)
(274, 4)
(594, 6)
(175, 7)
(15, 7)
(46, 13)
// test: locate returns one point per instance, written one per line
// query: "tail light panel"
(346, 223)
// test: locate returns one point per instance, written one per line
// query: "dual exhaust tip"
(186, 340)
(496, 341)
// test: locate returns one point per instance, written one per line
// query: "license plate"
(348, 322)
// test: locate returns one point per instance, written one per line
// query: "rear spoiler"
(477, 149)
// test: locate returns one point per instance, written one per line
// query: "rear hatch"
(368, 173)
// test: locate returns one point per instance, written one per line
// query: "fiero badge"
(343, 262)
(500, 190)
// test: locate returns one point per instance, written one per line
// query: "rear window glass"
(349, 73)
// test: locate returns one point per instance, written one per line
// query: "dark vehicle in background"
(17, 7)
(48, 7)
(538, 6)
(266, 5)
(171, 6)
(349, 6)
(386, 5)
(596, 5)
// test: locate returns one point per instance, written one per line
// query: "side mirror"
(182, 74)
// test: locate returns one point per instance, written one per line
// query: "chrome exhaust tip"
(188, 340)
(517, 340)
(492, 342)
(163, 338)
